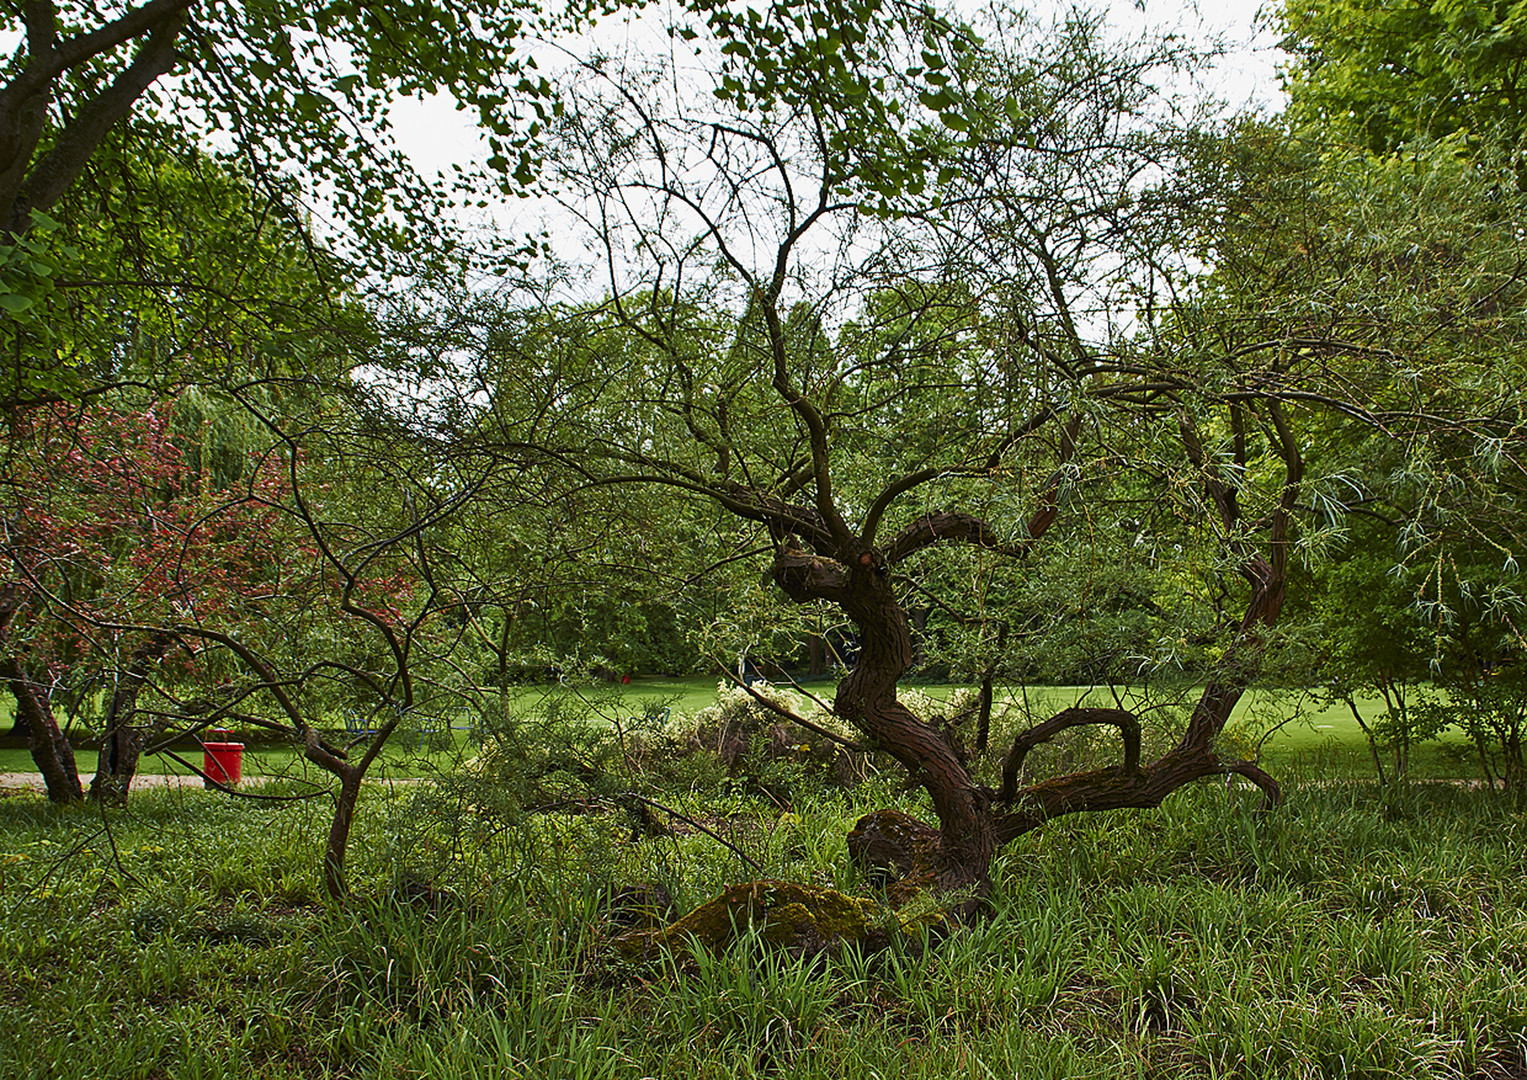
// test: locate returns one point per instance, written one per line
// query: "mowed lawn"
(1285, 728)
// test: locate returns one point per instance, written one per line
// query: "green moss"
(801, 918)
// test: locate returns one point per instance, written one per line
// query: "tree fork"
(974, 821)
(123, 742)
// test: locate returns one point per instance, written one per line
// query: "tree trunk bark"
(339, 835)
(50, 749)
(867, 699)
(123, 741)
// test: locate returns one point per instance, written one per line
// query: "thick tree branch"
(952, 525)
(806, 576)
(967, 528)
(52, 176)
(24, 101)
(1127, 723)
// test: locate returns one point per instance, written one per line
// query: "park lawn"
(269, 758)
(1294, 728)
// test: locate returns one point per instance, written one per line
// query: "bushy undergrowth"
(1353, 933)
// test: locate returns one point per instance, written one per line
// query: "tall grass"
(1353, 933)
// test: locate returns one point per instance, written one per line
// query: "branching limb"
(967, 528)
(671, 812)
(1272, 794)
(1127, 723)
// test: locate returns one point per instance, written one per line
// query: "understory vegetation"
(1357, 933)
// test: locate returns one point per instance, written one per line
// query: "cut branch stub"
(1127, 723)
(804, 576)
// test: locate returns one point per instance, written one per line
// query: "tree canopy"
(1385, 73)
(982, 347)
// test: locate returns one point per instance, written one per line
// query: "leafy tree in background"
(287, 83)
(1385, 73)
(1377, 643)
(1400, 278)
(110, 526)
(1477, 649)
(167, 267)
(1423, 241)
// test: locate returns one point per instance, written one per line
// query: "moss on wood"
(800, 918)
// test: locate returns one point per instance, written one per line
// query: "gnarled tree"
(900, 374)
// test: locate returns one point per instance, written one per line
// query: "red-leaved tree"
(115, 519)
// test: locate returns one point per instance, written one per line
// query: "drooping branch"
(1272, 794)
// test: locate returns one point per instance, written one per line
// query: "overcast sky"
(435, 135)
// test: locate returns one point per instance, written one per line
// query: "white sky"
(435, 135)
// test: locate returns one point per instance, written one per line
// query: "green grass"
(1296, 726)
(1351, 934)
(1328, 732)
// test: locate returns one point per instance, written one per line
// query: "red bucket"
(222, 761)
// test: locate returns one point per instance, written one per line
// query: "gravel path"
(24, 781)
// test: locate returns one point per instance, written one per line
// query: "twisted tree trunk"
(975, 820)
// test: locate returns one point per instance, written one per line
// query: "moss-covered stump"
(888, 845)
(900, 853)
(801, 919)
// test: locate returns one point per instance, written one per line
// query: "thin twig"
(116, 855)
(691, 821)
(244, 794)
(792, 717)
